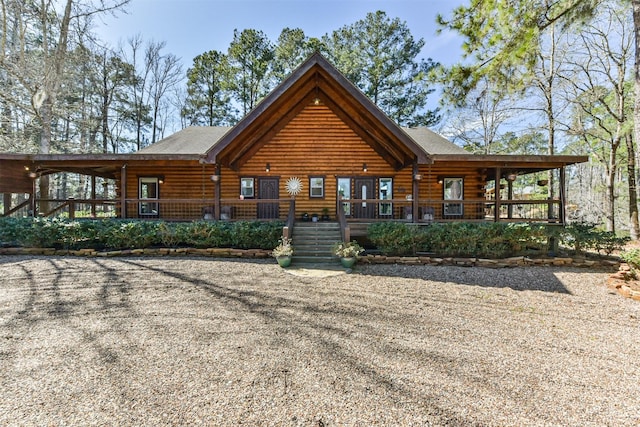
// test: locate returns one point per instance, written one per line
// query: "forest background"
(534, 77)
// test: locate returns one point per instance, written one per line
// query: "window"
(148, 190)
(385, 186)
(344, 193)
(316, 186)
(247, 187)
(453, 191)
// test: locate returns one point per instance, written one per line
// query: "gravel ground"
(168, 341)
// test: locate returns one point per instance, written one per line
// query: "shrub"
(491, 240)
(208, 234)
(632, 257)
(123, 234)
(395, 238)
(255, 234)
(582, 236)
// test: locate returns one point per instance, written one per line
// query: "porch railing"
(194, 209)
(75, 208)
(452, 210)
(353, 210)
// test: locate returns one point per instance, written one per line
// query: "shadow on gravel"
(518, 279)
(328, 327)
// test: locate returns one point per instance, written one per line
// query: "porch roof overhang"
(509, 164)
(15, 169)
(316, 81)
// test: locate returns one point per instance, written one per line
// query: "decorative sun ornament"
(294, 186)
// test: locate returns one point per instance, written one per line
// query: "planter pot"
(348, 262)
(284, 261)
(314, 218)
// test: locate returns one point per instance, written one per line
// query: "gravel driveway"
(181, 341)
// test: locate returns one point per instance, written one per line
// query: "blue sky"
(191, 27)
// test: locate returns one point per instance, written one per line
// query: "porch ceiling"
(518, 164)
(316, 81)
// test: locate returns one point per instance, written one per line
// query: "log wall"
(315, 143)
(181, 180)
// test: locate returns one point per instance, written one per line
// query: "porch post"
(123, 191)
(217, 186)
(416, 192)
(6, 198)
(563, 196)
(93, 196)
(33, 198)
(496, 192)
(510, 197)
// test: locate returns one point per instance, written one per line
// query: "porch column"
(6, 199)
(216, 187)
(123, 191)
(496, 192)
(93, 196)
(415, 178)
(510, 197)
(563, 196)
(32, 198)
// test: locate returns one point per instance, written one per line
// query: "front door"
(364, 189)
(268, 189)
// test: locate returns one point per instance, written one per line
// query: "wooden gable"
(316, 82)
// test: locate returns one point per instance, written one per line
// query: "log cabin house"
(315, 145)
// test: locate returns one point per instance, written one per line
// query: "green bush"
(487, 240)
(122, 234)
(256, 234)
(632, 257)
(584, 236)
(207, 234)
(394, 238)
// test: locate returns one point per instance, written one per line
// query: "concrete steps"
(313, 241)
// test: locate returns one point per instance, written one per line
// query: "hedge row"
(490, 240)
(126, 234)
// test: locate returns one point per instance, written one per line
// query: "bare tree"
(477, 124)
(601, 119)
(34, 41)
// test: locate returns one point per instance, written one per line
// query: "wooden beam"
(496, 214)
(563, 196)
(123, 191)
(6, 200)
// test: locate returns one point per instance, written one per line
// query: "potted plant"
(314, 217)
(305, 217)
(283, 252)
(348, 252)
(325, 214)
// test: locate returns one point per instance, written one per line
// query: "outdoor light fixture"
(316, 101)
(364, 167)
(440, 180)
(161, 179)
(215, 178)
(511, 177)
(33, 175)
(268, 168)
(417, 177)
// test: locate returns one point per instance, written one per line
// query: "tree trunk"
(633, 191)
(45, 144)
(636, 111)
(610, 199)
